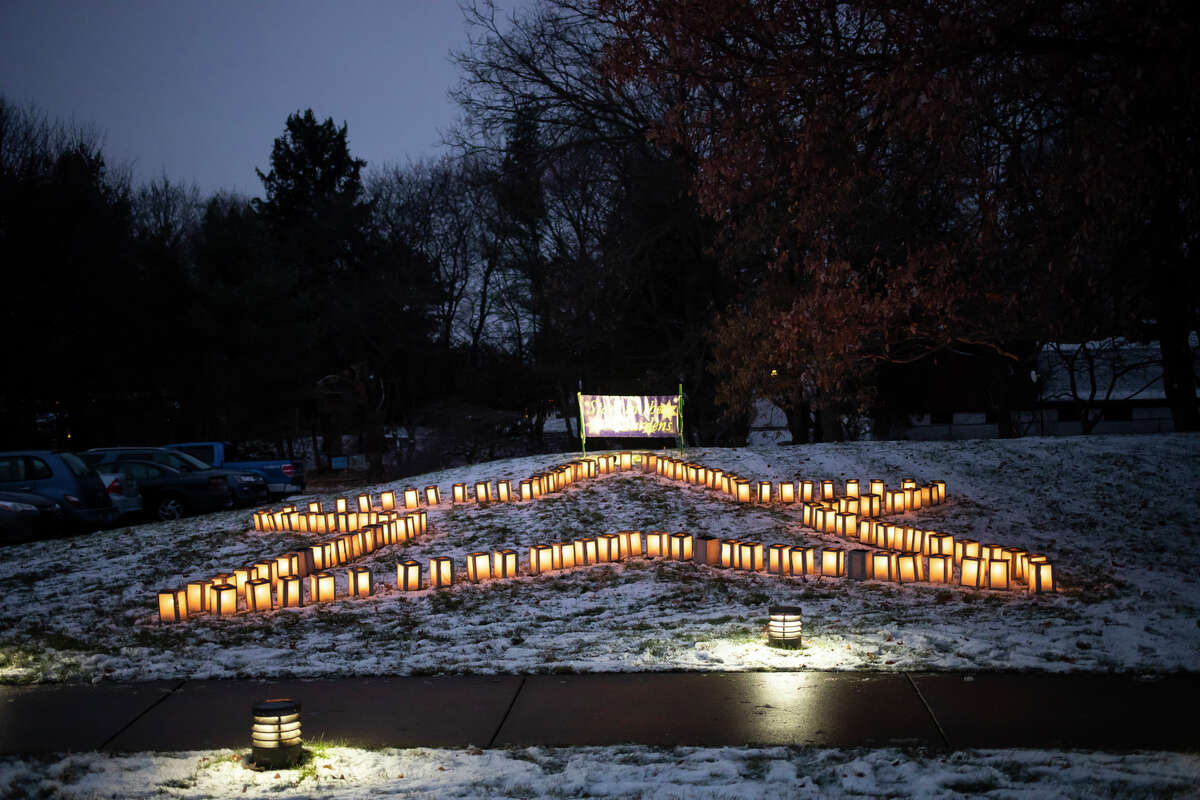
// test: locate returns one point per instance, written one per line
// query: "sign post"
(679, 422)
(582, 423)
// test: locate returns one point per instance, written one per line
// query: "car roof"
(123, 448)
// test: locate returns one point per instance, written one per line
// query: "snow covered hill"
(1119, 517)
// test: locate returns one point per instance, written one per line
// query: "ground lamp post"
(783, 627)
(275, 734)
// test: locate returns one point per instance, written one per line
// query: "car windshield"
(184, 462)
(76, 465)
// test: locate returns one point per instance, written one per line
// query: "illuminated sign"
(630, 415)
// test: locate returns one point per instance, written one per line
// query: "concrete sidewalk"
(820, 709)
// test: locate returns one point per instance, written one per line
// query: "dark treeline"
(811, 205)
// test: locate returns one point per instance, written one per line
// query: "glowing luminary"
(172, 605)
(359, 579)
(966, 548)
(764, 492)
(939, 544)
(941, 568)
(479, 567)
(541, 559)
(585, 551)
(833, 562)
(658, 544)
(629, 543)
(803, 560)
(852, 487)
(787, 491)
(608, 547)
(197, 597)
(441, 572)
(504, 563)
(973, 573)
(729, 553)
(322, 587)
(910, 566)
(1040, 575)
(412, 499)
(258, 595)
(998, 574)
(290, 593)
(750, 556)
(563, 554)
(778, 562)
(885, 565)
(408, 576)
(681, 546)
(504, 491)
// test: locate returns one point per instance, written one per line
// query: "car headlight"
(8, 505)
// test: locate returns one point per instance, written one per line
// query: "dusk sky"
(201, 89)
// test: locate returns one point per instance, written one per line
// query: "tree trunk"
(799, 421)
(1179, 375)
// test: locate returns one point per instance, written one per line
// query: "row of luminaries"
(278, 582)
(978, 566)
(820, 497)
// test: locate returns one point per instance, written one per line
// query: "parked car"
(62, 478)
(169, 493)
(28, 516)
(248, 488)
(123, 491)
(283, 477)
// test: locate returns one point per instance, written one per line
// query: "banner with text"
(630, 415)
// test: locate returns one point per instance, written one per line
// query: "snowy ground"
(624, 772)
(1118, 516)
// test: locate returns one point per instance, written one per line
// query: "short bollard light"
(275, 734)
(784, 627)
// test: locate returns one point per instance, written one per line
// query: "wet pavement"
(819, 709)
